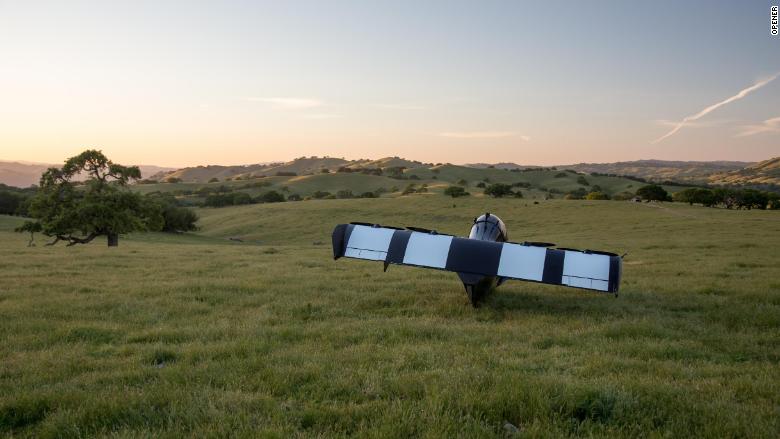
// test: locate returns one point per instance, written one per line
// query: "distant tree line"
(729, 198)
(14, 200)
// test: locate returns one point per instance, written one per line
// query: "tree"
(498, 190)
(179, 219)
(576, 194)
(271, 197)
(344, 193)
(597, 196)
(583, 181)
(653, 192)
(100, 206)
(410, 189)
(455, 191)
(10, 202)
(213, 180)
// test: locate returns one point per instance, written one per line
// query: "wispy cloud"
(768, 126)
(400, 106)
(482, 135)
(693, 124)
(687, 120)
(287, 103)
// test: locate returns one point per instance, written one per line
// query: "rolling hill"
(24, 174)
(306, 175)
(535, 183)
(763, 173)
(662, 170)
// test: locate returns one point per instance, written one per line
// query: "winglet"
(339, 244)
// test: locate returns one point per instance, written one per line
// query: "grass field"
(196, 335)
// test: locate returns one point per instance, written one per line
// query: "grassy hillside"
(300, 166)
(194, 335)
(763, 173)
(437, 178)
(661, 170)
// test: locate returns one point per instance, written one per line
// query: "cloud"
(482, 135)
(693, 124)
(768, 126)
(687, 120)
(289, 103)
(400, 107)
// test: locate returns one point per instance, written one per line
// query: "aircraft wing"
(587, 269)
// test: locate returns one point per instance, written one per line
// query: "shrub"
(480, 184)
(320, 194)
(344, 194)
(577, 194)
(294, 197)
(582, 180)
(623, 196)
(498, 190)
(410, 189)
(173, 180)
(286, 174)
(455, 191)
(178, 219)
(597, 196)
(561, 175)
(368, 195)
(653, 192)
(240, 198)
(271, 197)
(213, 180)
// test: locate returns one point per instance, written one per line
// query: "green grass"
(182, 335)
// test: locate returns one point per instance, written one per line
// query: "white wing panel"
(586, 265)
(370, 238)
(427, 250)
(522, 262)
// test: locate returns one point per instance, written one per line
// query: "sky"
(539, 83)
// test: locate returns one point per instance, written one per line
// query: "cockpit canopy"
(488, 228)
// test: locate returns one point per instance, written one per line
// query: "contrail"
(714, 107)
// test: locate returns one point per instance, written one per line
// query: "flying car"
(483, 260)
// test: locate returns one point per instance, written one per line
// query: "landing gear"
(477, 287)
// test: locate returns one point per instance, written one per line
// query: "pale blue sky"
(183, 83)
